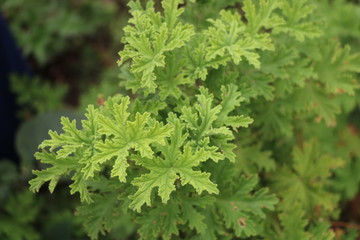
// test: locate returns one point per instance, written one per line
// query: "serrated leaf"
(137, 134)
(176, 164)
(303, 182)
(59, 167)
(147, 48)
(259, 16)
(294, 224)
(190, 213)
(162, 220)
(98, 216)
(242, 211)
(296, 24)
(229, 36)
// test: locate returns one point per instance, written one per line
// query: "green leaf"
(274, 120)
(226, 37)
(71, 140)
(297, 23)
(150, 38)
(170, 78)
(255, 85)
(322, 231)
(60, 167)
(243, 210)
(314, 101)
(206, 126)
(98, 216)
(161, 220)
(303, 182)
(125, 135)
(213, 226)
(229, 36)
(195, 218)
(176, 165)
(260, 15)
(196, 65)
(83, 152)
(252, 159)
(334, 68)
(230, 100)
(294, 224)
(172, 12)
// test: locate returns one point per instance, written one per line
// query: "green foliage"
(298, 15)
(176, 165)
(294, 225)
(230, 37)
(150, 37)
(24, 215)
(37, 95)
(243, 208)
(100, 216)
(210, 146)
(45, 28)
(14, 224)
(97, 93)
(304, 183)
(346, 179)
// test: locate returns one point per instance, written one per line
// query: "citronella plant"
(231, 130)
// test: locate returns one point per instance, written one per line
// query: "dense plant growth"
(237, 124)
(36, 24)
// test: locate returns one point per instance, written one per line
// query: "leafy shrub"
(237, 126)
(24, 215)
(45, 28)
(37, 95)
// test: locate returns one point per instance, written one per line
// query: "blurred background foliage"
(71, 47)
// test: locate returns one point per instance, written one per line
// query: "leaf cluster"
(183, 159)
(45, 28)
